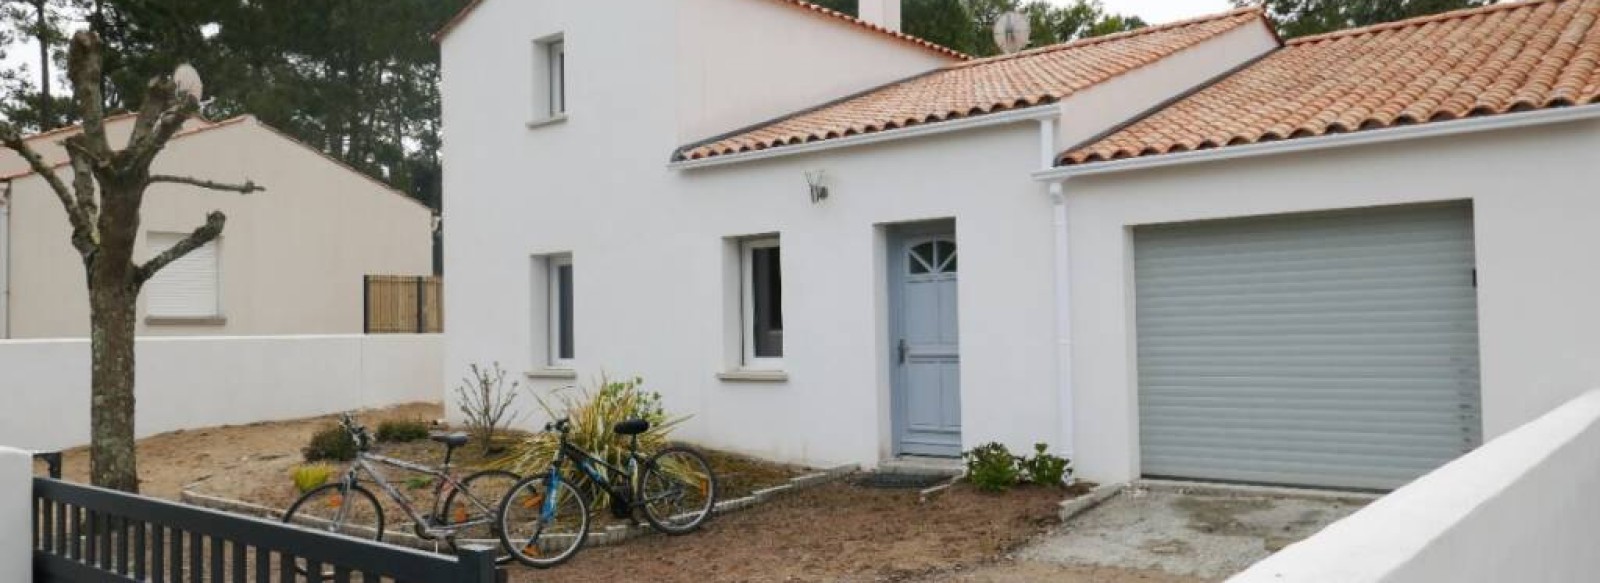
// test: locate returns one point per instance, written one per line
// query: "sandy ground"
(232, 458)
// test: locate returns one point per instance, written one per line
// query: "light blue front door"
(926, 352)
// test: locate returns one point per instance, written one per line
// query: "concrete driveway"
(1172, 533)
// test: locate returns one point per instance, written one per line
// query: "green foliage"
(592, 414)
(330, 443)
(418, 482)
(968, 25)
(1044, 469)
(992, 468)
(310, 476)
(1308, 17)
(402, 430)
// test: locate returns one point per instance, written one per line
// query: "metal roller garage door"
(1335, 349)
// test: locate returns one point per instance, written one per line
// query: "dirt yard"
(836, 532)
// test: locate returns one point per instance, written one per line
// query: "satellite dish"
(188, 81)
(1011, 32)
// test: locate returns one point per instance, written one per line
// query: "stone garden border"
(611, 535)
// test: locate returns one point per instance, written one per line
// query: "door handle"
(904, 349)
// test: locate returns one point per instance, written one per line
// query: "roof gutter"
(1035, 113)
(1360, 138)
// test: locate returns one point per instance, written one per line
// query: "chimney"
(884, 13)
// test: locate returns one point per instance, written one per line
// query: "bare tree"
(102, 205)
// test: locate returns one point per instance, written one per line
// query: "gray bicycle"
(464, 511)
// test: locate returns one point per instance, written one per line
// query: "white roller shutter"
(186, 288)
(1335, 349)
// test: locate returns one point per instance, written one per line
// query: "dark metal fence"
(93, 535)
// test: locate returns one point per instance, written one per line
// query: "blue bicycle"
(544, 519)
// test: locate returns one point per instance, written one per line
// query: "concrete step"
(923, 466)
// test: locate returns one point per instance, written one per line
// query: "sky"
(1152, 11)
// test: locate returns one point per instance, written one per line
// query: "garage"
(1332, 349)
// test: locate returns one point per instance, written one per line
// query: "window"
(550, 79)
(186, 288)
(562, 349)
(762, 283)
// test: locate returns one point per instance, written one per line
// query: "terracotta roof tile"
(1033, 77)
(461, 16)
(1483, 61)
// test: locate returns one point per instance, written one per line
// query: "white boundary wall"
(16, 515)
(1520, 508)
(194, 382)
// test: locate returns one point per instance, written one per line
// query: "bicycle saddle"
(451, 440)
(632, 427)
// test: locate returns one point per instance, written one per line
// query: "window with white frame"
(761, 280)
(550, 75)
(188, 287)
(562, 349)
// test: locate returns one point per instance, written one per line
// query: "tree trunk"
(113, 308)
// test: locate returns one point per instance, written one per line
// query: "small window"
(186, 288)
(932, 257)
(550, 78)
(762, 280)
(562, 349)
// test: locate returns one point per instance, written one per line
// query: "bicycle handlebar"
(357, 432)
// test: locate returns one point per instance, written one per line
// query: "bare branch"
(82, 229)
(84, 70)
(246, 188)
(205, 234)
(164, 112)
(83, 186)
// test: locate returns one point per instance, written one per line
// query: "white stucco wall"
(16, 515)
(195, 382)
(742, 62)
(1520, 508)
(292, 257)
(1533, 194)
(650, 244)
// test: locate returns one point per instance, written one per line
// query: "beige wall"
(292, 258)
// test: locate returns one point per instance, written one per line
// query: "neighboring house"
(644, 196)
(290, 261)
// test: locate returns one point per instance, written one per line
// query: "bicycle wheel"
(330, 508)
(678, 490)
(542, 526)
(476, 507)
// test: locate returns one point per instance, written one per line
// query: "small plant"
(418, 482)
(308, 477)
(330, 443)
(1044, 469)
(593, 413)
(485, 401)
(402, 430)
(992, 468)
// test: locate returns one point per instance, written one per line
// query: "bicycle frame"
(630, 496)
(428, 526)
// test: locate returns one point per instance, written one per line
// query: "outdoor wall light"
(819, 191)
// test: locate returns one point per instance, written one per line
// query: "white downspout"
(5, 262)
(1063, 292)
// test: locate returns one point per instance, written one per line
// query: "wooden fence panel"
(403, 304)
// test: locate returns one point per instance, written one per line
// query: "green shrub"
(418, 482)
(402, 430)
(308, 477)
(330, 443)
(992, 468)
(1045, 469)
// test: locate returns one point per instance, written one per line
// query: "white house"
(758, 205)
(290, 261)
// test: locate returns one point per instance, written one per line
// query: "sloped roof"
(1028, 78)
(1478, 62)
(461, 16)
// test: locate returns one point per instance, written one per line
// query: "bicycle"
(347, 507)
(544, 519)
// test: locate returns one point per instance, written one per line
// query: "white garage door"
(1335, 349)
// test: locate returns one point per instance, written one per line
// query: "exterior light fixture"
(819, 191)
